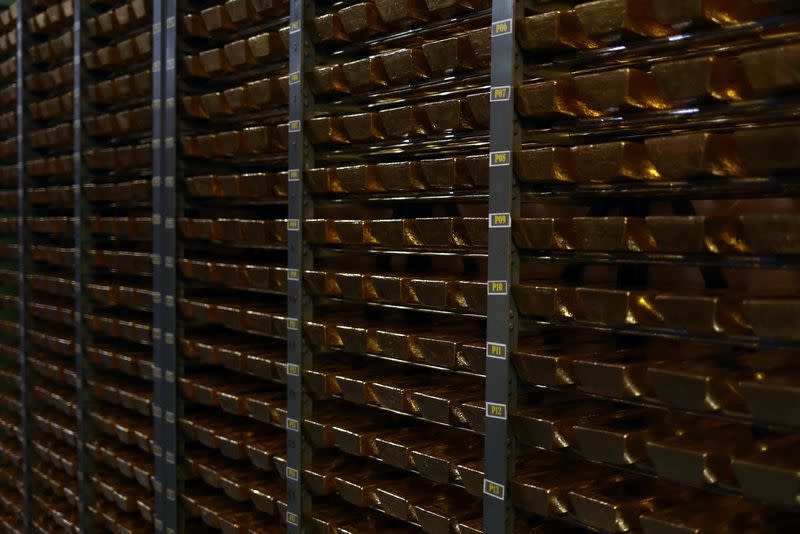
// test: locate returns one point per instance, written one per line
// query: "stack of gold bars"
(658, 239)
(117, 120)
(50, 297)
(656, 294)
(11, 466)
(232, 228)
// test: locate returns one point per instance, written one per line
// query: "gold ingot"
(365, 74)
(361, 20)
(612, 162)
(724, 12)
(447, 55)
(554, 31)
(545, 233)
(701, 78)
(363, 127)
(695, 155)
(545, 165)
(617, 307)
(773, 318)
(402, 13)
(772, 69)
(405, 65)
(772, 473)
(406, 121)
(545, 301)
(217, 19)
(328, 29)
(769, 150)
(771, 233)
(611, 21)
(399, 176)
(613, 234)
(550, 100)
(621, 89)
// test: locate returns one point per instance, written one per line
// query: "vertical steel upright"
(298, 354)
(502, 323)
(81, 235)
(165, 368)
(24, 42)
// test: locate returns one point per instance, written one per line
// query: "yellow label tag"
(502, 27)
(294, 175)
(493, 489)
(294, 126)
(496, 350)
(500, 94)
(500, 220)
(500, 159)
(293, 369)
(292, 518)
(498, 411)
(292, 424)
(497, 287)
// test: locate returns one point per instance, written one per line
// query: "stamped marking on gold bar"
(292, 369)
(497, 287)
(294, 126)
(499, 220)
(500, 159)
(500, 94)
(502, 27)
(494, 489)
(292, 323)
(292, 473)
(496, 410)
(294, 27)
(293, 225)
(292, 424)
(294, 78)
(496, 350)
(293, 275)
(294, 175)
(292, 518)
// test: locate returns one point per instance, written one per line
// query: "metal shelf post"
(81, 236)
(502, 322)
(24, 121)
(299, 354)
(165, 205)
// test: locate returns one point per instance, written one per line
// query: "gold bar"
(554, 31)
(617, 307)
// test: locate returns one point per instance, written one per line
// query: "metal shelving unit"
(340, 240)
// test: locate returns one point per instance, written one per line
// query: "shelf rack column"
(165, 371)
(82, 306)
(299, 355)
(502, 324)
(24, 42)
